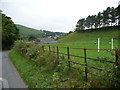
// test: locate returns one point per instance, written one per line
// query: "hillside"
(106, 32)
(26, 31)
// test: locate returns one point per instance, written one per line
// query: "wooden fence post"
(85, 60)
(49, 49)
(116, 57)
(43, 48)
(57, 54)
(68, 53)
(53, 49)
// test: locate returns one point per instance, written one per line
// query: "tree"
(118, 14)
(109, 17)
(9, 32)
(99, 19)
(70, 32)
(113, 16)
(80, 24)
(93, 21)
(96, 23)
(31, 37)
(90, 22)
(87, 21)
(105, 16)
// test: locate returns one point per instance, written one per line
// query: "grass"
(61, 77)
(104, 55)
(30, 72)
(64, 77)
(86, 39)
(93, 34)
(26, 31)
(35, 77)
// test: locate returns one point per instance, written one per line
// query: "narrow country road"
(10, 75)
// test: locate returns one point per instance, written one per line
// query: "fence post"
(116, 57)
(68, 53)
(53, 49)
(43, 48)
(57, 54)
(85, 60)
(49, 49)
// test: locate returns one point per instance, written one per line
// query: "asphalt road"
(10, 76)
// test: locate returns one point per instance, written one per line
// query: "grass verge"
(35, 77)
(30, 72)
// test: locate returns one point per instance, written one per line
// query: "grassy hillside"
(26, 31)
(87, 39)
(108, 32)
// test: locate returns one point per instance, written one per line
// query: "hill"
(55, 35)
(25, 32)
(105, 32)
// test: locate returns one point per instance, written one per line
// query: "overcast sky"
(53, 15)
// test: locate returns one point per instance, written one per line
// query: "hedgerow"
(35, 53)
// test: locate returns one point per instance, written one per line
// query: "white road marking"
(3, 83)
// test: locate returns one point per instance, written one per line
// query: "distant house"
(45, 40)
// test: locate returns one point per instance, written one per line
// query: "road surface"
(10, 76)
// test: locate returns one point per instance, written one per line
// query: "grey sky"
(53, 15)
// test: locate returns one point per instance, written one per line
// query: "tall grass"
(40, 69)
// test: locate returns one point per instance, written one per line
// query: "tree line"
(109, 17)
(10, 33)
(54, 35)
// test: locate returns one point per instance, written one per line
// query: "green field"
(92, 34)
(100, 71)
(86, 39)
(26, 31)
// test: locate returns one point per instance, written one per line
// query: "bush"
(21, 46)
(34, 52)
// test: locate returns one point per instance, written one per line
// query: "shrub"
(34, 52)
(21, 46)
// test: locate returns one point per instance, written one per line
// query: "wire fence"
(83, 60)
